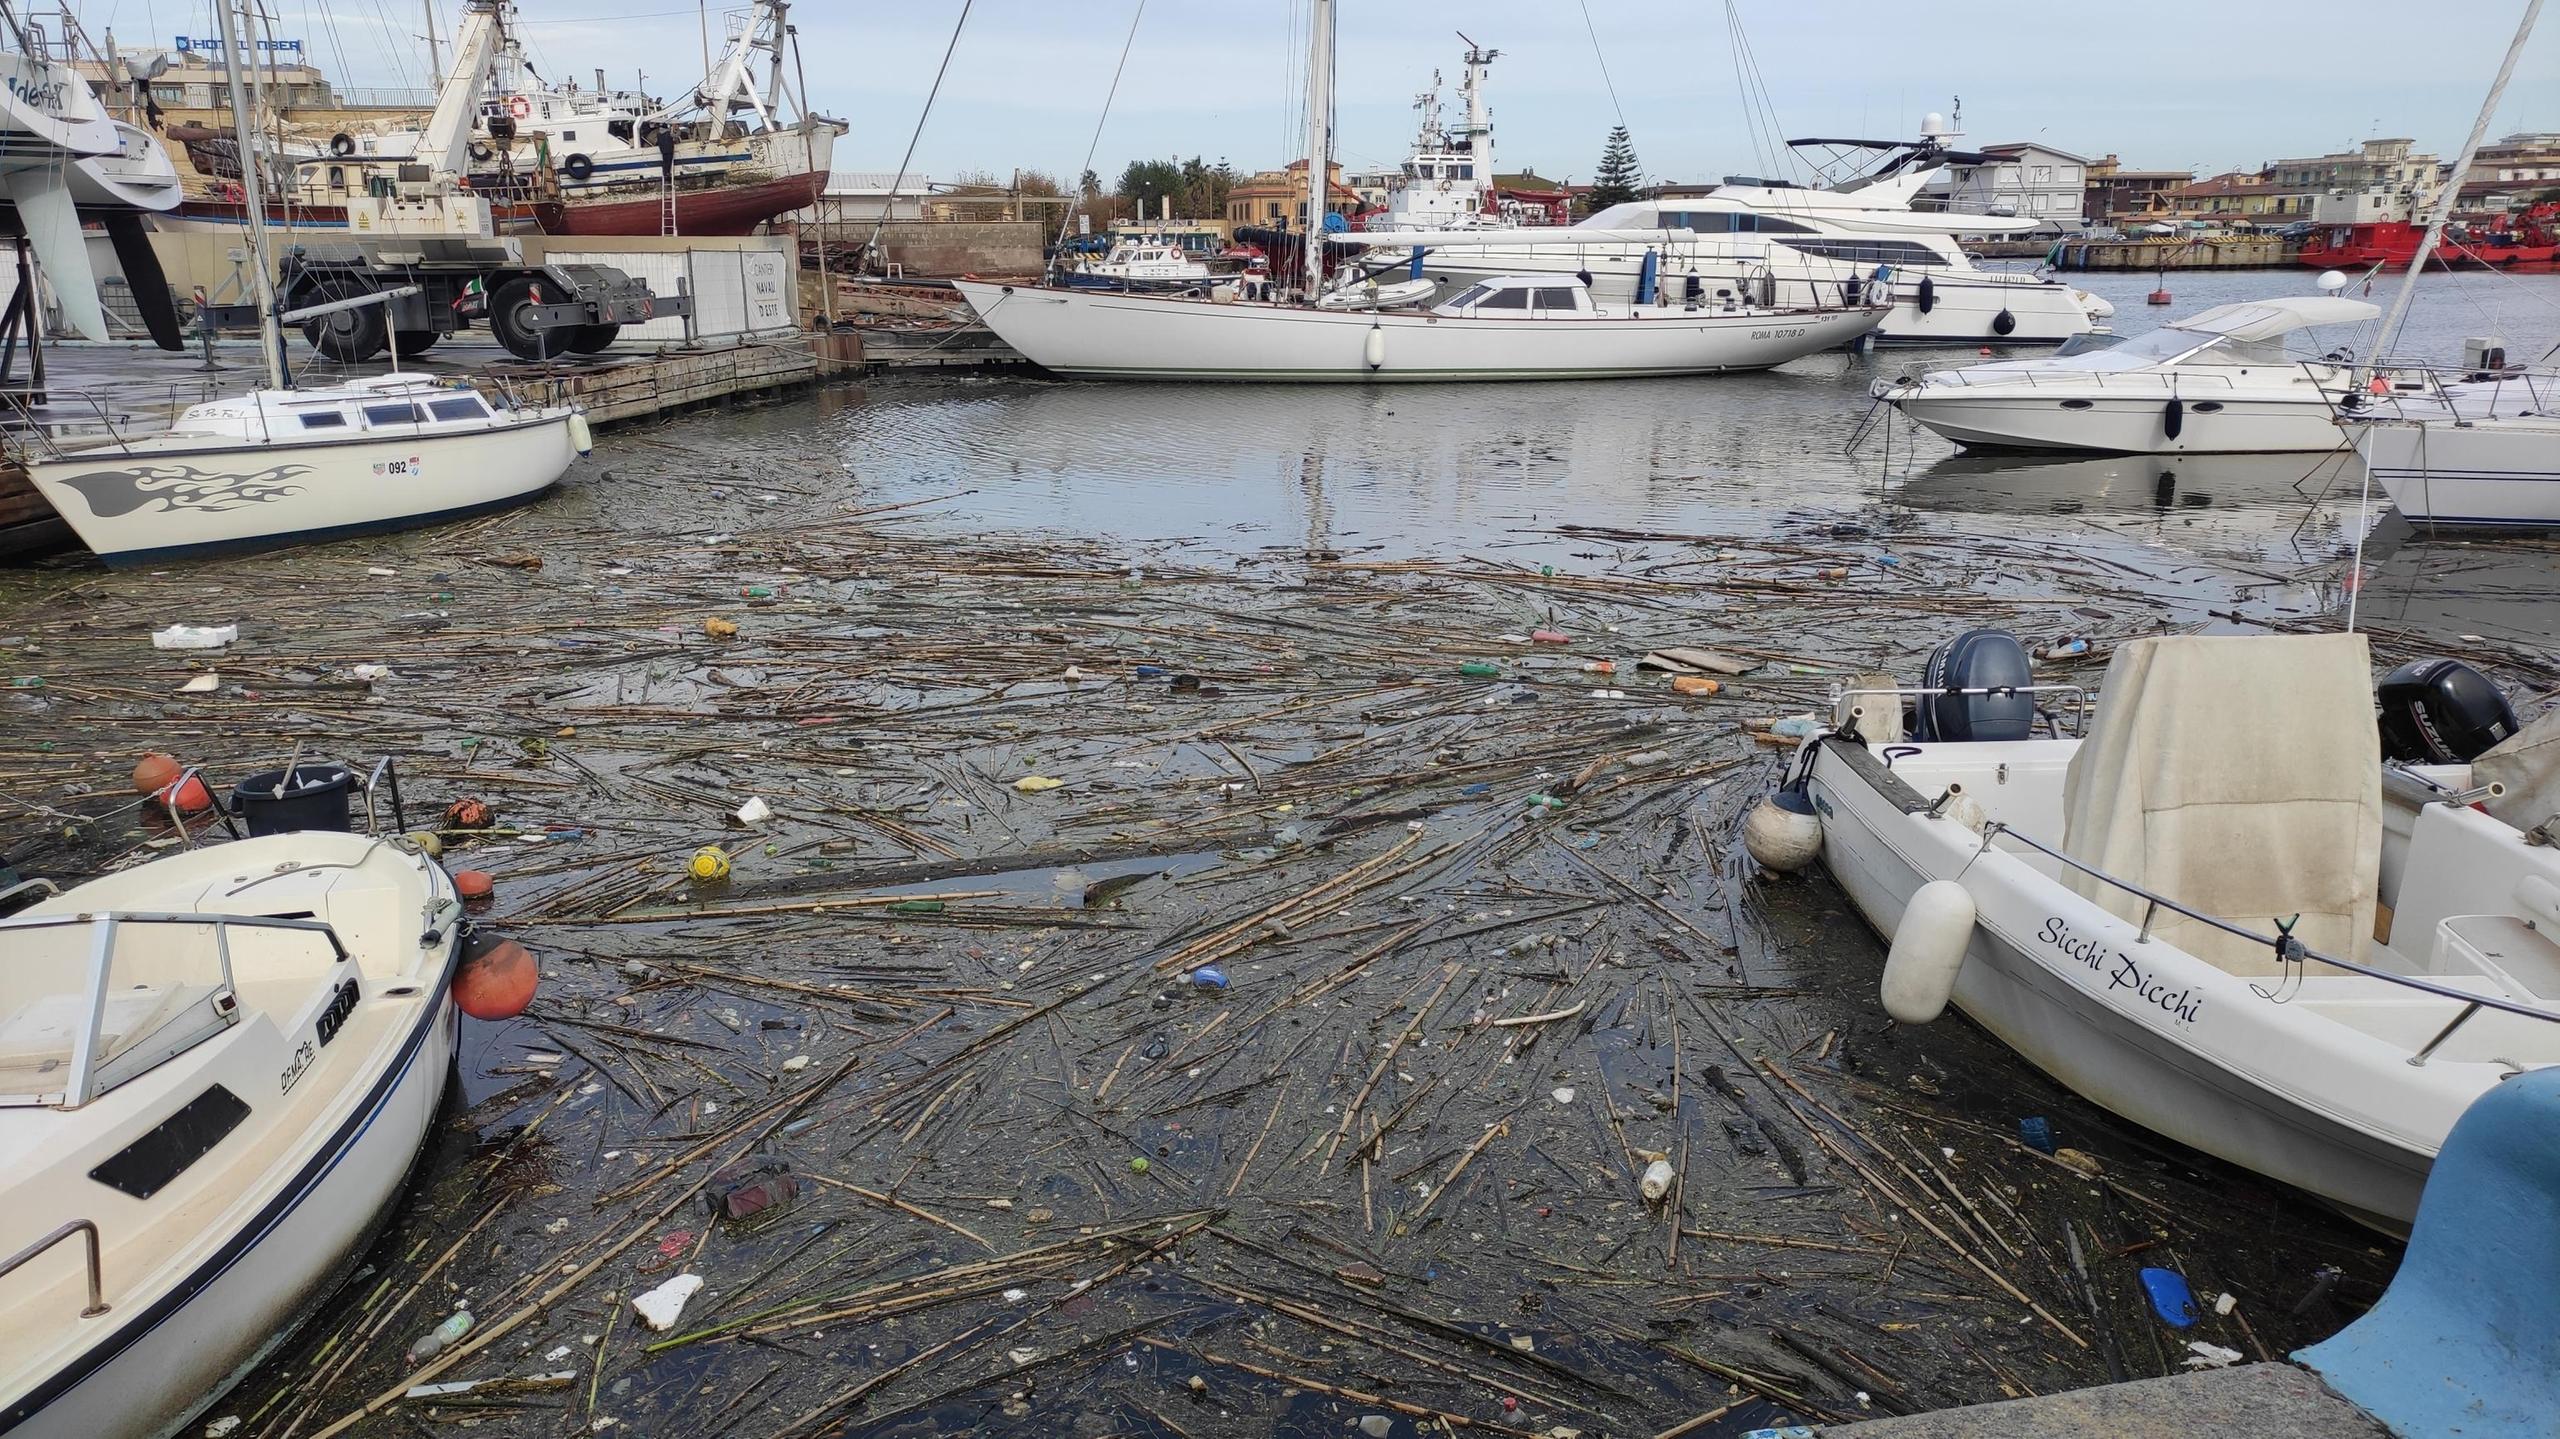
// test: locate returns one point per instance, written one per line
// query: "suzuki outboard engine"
(1976, 660)
(2441, 712)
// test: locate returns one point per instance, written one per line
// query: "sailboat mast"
(1320, 135)
(2452, 191)
(243, 128)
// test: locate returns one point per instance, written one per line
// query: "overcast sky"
(2166, 84)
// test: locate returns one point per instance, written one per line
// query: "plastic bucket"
(315, 798)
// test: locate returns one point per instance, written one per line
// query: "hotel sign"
(212, 45)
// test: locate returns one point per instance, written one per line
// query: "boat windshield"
(87, 1003)
(2160, 347)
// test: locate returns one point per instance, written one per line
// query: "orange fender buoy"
(473, 883)
(497, 979)
(155, 771)
(190, 797)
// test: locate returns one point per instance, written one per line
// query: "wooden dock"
(638, 386)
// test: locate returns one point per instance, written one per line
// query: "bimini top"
(2267, 319)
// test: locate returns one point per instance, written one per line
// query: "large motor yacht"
(1773, 243)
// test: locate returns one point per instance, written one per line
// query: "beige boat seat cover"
(2239, 775)
(2528, 764)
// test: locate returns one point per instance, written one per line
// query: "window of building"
(2043, 174)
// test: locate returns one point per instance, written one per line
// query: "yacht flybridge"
(1795, 245)
(2220, 382)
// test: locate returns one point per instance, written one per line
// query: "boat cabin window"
(1504, 300)
(460, 407)
(323, 420)
(1725, 222)
(1870, 252)
(1561, 297)
(403, 413)
(1466, 297)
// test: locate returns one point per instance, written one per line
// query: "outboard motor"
(1976, 660)
(2441, 712)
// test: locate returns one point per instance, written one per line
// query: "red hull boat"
(2393, 243)
(711, 210)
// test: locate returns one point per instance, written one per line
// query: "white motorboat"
(2221, 382)
(2219, 915)
(1142, 264)
(278, 467)
(1795, 245)
(215, 1072)
(2485, 452)
(1504, 329)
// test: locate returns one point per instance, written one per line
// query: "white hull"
(2317, 1092)
(51, 128)
(1964, 306)
(138, 176)
(2499, 473)
(171, 1374)
(1114, 336)
(617, 168)
(156, 500)
(2117, 422)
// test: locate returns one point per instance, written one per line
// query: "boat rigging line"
(1067, 215)
(1594, 33)
(872, 246)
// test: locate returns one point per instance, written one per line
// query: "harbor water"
(1235, 926)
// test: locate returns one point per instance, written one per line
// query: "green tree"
(1146, 182)
(1619, 179)
(1198, 189)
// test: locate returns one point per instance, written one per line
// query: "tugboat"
(2532, 238)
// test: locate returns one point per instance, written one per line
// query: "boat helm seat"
(2237, 775)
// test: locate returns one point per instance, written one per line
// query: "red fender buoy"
(497, 979)
(191, 797)
(155, 771)
(474, 883)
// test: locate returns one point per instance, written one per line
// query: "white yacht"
(1785, 244)
(52, 128)
(1511, 328)
(2482, 451)
(2221, 382)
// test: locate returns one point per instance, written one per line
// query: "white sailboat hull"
(169, 498)
(2315, 1092)
(2502, 473)
(1114, 336)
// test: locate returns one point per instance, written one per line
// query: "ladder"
(667, 209)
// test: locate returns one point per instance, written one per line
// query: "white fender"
(1782, 832)
(581, 436)
(1374, 349)
(1928, 949)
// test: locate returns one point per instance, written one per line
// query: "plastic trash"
(1657, 1181)
(371, 673)
(2170, 1298)
(1480, 669)
(659, 1307)
(1694, 685)
(1151, 672)
(2037, 1132)
(2066, 649)
(751, 1187)
(710, 862)
(194, 637)
(754, 811)
(1377, 1426)
(718, 628)
(441, 1338)
(1208, 977)
(1545, 801)
(1599, 667)
(1550, 637)
(1037, 784)
(1796, 726)
(201, 685)
(2210, 1356)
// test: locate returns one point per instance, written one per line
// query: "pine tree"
(1619, 179)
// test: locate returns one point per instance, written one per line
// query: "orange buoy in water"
(2157, 297)
(473, 883)
(190, 796)
(497, 979)
(155, 771)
